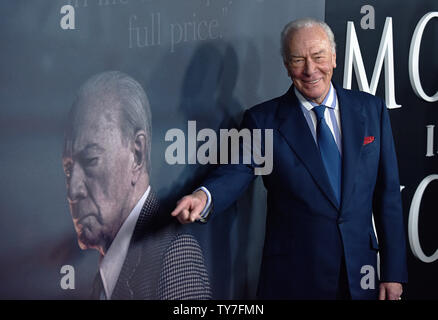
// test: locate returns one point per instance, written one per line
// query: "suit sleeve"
(184, 275)
(228, 181)
(387, 208)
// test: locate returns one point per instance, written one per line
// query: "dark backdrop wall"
(409, 123)
(203, 60)
(210, 77)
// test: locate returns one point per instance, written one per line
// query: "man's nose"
(309, 67)
(76, 187)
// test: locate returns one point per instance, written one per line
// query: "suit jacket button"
(340, 220)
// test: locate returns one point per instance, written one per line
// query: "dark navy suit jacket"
(307, 232)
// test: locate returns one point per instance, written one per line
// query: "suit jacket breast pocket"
(370, 148)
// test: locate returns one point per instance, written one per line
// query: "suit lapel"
(97, 287)
(124, 287)
(353, 130)
(295, 130)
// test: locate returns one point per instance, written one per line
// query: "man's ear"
(139, 152)
(334, 60)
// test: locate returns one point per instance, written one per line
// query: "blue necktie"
(329, 151)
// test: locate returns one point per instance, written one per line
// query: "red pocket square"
(368, 140)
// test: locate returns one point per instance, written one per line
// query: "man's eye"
(90, 162)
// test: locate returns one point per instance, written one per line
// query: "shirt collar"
(111, 264)
(329, 101)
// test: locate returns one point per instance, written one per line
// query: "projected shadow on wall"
(207, 96)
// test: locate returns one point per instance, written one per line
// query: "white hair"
(300, 24)
(135, 112)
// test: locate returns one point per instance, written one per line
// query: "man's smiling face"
(311, 62)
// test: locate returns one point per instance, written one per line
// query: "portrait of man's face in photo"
(97, 175)
(100, 160)
(106, 159)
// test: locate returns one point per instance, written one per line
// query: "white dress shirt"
(331, 114)
(111, 264)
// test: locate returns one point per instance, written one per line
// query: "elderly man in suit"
(106, 160)
(334, 165)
